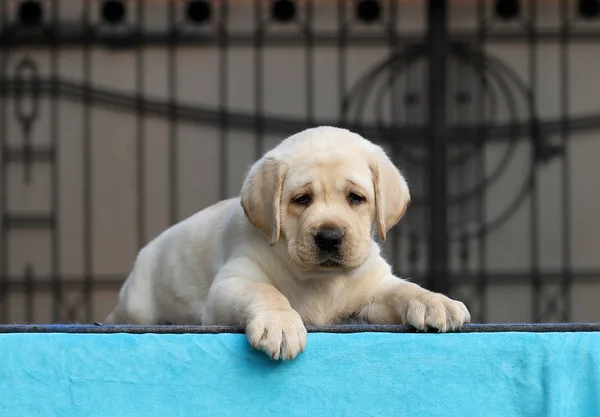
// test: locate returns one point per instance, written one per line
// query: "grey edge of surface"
(353, 328)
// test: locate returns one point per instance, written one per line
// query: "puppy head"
(325, 191)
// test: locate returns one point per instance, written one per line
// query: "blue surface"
(361, 374)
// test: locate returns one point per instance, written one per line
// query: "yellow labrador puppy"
(296, 248)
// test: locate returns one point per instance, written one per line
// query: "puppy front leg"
(397, 301)
(271, 324)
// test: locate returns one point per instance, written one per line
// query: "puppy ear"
(261, 196)
(391, 192)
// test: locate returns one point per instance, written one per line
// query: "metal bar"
(4, 51)
(482, 281)
(534, 211)
(29, 305)
(395, 115)
(246, 121)
(173, 120)
(566, 165)
(438, 240)
(11, 155)
(28, 221)
(459, 78)
(341, 44)
(44, 283)
(75, 36)
(55, 164)
(259, 129)
(87, 168)
(141, 128)
(518, 278)
(223, 100)
(309, 69)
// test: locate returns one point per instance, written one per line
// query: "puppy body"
(297, 248)
(173, 274)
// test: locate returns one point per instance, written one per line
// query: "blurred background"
(120, 118)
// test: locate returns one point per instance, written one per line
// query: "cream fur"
(250, 262)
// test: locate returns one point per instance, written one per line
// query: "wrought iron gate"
(453, 114)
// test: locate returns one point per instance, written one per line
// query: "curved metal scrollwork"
(27, 99)
(502, 99)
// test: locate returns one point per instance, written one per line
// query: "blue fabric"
(361, 374)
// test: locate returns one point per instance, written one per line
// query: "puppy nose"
(329, 239)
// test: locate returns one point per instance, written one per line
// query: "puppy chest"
(324, 307)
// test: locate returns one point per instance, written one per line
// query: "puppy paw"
(436, 310)
(280, 334)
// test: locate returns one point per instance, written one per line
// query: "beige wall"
(113, 138)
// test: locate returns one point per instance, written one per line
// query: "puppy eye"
(303, 200)
(354, 198)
